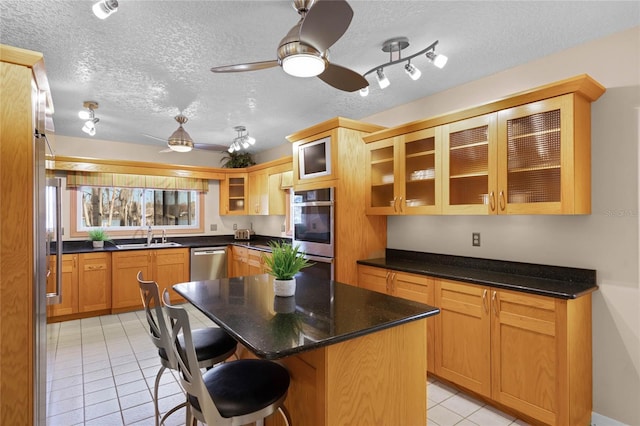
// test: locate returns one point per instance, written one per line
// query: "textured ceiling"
(151, 60)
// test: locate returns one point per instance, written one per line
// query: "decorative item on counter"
(235, 160)
(283, 264)
(98, 236)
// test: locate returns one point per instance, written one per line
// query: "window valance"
(119, 180)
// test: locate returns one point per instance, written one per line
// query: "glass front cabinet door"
(403, 174)
(470, 165)
(544, 165)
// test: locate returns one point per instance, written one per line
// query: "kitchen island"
(355, 356)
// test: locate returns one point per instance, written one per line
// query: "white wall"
(606, 240)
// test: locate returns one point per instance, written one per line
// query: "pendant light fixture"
(394, 47)
(105, 8)
(180, 141)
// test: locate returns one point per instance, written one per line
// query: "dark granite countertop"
(258, 242)
(546, 280)
(321, 313)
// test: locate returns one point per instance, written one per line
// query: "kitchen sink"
(147, 246)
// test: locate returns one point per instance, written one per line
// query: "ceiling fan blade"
(210, 147)
(325, 23)
(343, 78)
(251, 66)
(154, 137)
(166, 150)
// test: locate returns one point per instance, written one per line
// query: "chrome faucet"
(149, 235)
(164, 235)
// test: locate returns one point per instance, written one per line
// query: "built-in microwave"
(314, 158)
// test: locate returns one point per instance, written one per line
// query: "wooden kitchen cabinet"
(529, 153)
(255, 262)
(239, 262)
(165, 266)
(419, 288)
(258, 193)
(233, 194)
(86, 285)
(94, 283)
(69, 287)
(403, 174)
(526, 352)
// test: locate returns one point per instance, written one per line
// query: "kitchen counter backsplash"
(257, 241)
(555, 281)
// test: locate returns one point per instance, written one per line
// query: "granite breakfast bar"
(355, 356)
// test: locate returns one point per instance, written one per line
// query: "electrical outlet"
(214, 227)
(475, 239)
(235, 226)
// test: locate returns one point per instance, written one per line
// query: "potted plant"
(283, 264)
(235, 160)
(98, 236)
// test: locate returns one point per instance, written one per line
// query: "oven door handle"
(318, 258)
(314, 204)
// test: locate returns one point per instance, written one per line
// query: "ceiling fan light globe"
(303, 65)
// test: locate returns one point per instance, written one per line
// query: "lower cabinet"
(256, 262)
(165, 266)
(526, 352)
(239, 262)
(86, 285)
(407, 286)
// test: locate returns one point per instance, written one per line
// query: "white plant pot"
(98, 244)
(284, 288)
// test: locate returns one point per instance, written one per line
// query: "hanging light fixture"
(180, 141)
(89, 116)
(104, 8)
(242, 141)
(394, 47)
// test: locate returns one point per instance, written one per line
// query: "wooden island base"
(375, 379)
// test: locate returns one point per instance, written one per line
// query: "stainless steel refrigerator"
(48, 243)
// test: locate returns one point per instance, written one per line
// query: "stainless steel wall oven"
(313, 221)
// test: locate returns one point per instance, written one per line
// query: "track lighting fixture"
(104, 8)
(89, 117)
(241, 141)
(394, 47)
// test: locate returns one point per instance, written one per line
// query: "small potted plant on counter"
(284, 263)
(98, 236)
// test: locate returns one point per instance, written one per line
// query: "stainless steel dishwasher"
(208, 263)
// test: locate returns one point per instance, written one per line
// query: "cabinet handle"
(74, 262)
(393, 281)
(494, 302)
(386, 280)
(485, 302)
(395, 201)
(492, 200)
(502, 201)
(400, 204)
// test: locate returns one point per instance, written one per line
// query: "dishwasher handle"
(208, 252)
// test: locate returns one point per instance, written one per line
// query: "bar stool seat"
(242, 387)
(209, 342)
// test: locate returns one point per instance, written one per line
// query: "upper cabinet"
(526, 154)
(233, 194)
(403, 174)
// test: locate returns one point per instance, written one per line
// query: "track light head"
(104, 8)
(383, 81)
(364, 91)
(438, 60)
(412, 71)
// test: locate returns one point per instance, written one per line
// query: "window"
(129, 209)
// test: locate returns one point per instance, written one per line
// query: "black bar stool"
(232, 393)
(212, 345)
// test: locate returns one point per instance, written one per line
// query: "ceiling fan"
(180, 141)
(303, 52)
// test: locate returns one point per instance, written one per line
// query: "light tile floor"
(101, 372)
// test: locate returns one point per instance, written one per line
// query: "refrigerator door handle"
(56, 297)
